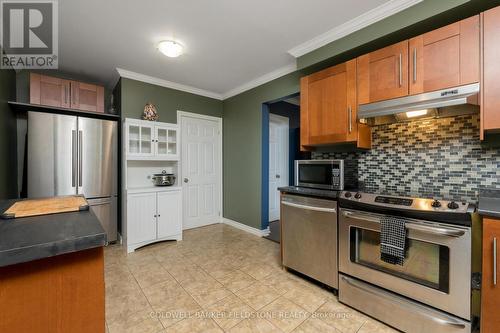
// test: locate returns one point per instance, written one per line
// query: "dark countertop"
(489, 203)
(31, 238)
(310, 192)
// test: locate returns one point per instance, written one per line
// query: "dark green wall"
(8, 132)
(135, 94)
(242, 148)
(243, 113)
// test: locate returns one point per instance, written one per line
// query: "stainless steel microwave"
(335, 175)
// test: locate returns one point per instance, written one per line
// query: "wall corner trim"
(167, 84)
(244, 227)
(362, 21)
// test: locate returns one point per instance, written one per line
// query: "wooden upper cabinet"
(328, 107)
(87, 97)
(446, 57)
(490, 284)
(383, 74)
(52, 91)
(490, 83)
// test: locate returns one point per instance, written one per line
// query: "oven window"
(320, 174)
(425, 263)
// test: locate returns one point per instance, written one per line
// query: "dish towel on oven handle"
(392, 240)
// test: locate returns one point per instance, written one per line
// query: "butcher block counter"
(51, 273)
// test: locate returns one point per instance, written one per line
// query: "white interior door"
(278, 162)
(201, 158)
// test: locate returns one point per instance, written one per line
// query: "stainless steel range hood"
(468, 94)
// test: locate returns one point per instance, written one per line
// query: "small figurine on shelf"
(150, 112)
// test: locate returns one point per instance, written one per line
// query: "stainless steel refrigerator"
(69, 155)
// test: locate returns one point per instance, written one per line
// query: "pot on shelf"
(163, 179)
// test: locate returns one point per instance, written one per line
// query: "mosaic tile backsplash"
(436, 158)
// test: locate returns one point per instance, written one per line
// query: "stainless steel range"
(431, 291)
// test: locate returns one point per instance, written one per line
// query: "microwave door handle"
(313, 208)
(440, 231)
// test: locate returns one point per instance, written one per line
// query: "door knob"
(278, 176)
(186, 180)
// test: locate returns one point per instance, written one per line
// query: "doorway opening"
(280, 149)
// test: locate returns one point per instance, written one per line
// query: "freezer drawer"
(309, 237)
(397, 311)
(106, 211)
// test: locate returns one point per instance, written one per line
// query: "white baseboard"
(244, 227)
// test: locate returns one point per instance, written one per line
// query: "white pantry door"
(278, 162)
(201, 158)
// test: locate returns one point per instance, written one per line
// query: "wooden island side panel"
(54, 295)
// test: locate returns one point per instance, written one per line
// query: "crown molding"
(167, 84)
(233, 92)
(261, 80)
(362, 21)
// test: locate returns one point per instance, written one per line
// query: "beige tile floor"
(218, 279)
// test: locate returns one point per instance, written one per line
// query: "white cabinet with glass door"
(146, 140)
(139, 138)
(166, 141)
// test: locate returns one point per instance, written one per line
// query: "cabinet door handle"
(65, 94)
(494, 261)
(414, 65)
(349, 110)
(400, 69)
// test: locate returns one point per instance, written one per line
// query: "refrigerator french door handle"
(80, 157)
(73, 158)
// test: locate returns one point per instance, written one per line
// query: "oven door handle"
(313, 208)
(377, 293)
(440, 231)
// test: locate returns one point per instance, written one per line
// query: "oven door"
(322, 174)
(437, 267)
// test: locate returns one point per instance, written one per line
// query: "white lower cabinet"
(141, 218)
(169, 213)
(153, 216)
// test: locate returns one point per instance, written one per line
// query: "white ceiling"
(228, 43)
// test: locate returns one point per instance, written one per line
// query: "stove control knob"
(347, 194)
(357, 195)
(453, 205)
(436, 204)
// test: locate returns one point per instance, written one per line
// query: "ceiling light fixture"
(413, 114)
(170, 48)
